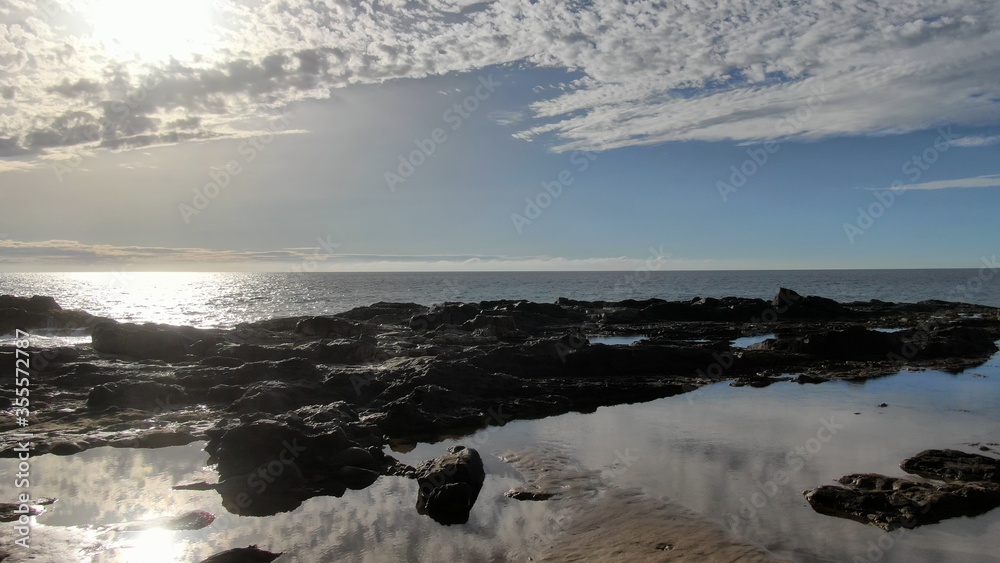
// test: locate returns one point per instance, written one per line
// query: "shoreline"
(401, 373)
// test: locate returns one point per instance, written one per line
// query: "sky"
(328, 135)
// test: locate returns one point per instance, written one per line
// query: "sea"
(224, 299)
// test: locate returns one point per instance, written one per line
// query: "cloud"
(75, 255)
(16, 166)
(976, 141)
(506, 117)
(976, 182)
(648, 72)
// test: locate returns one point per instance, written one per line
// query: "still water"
(715, 451)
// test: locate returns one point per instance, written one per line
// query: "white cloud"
(650, 73)
(16, 166)
(976, 182)
(977, 141)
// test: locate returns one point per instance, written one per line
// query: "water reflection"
(745, 341)
(740, 457)
(616, 340)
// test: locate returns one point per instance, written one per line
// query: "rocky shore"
(297, 407)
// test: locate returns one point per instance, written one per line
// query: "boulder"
(450, 485)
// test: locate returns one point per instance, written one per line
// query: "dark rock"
(788, 303)
(12, 511)
(890, 503)
(274, 463)
(225, 394)
(156, 439)
(33, 304)
(250, 554)
(277, 397)
(445, 314)
(852, 343)
(257, 353)
(348, 352)
(499, 326)
(356, 478)
(65, 447)
(529, 494)
(953, 465)
(450, 485)
(356, 457)
(28, 313)
(385, 313)
(135, 395)
(331, 327)
(146, 341)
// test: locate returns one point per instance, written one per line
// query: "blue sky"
(506, 135)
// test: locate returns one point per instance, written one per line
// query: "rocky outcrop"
(893, 502)
(953, 465)
(269, 464)
(450, 485)
(853, 343)
(332, 327)
(343, 386)
(41, 312)
(149, 395)
(146, 341)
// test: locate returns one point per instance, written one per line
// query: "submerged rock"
(249, 554)
(450, 485)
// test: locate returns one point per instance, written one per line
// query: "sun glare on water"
(153, 30)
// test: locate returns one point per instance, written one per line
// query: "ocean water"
(222, 300)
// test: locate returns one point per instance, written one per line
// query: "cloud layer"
(976, 182)
(69, 254)
(650, 71)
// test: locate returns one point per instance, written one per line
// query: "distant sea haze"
(225, 299)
